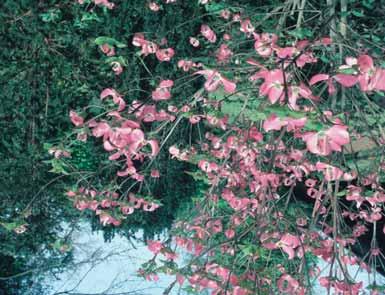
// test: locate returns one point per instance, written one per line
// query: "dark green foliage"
(50, 64)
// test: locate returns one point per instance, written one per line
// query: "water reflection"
(101, 267)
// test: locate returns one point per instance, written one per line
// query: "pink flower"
(273, 86)
(324, 282)
(153, 6)
(105, 219)
(289, 243)
(295, 92)
(155, 173)
(194, 41)
(346, 288)
(208, 33)
(71, 194)
(226, 37)
(117, 68)
(365, 64)
(149, 48)
(295, 124)
(214, 79)
(155, 246)
(105, 3)
(186, 65)
(116, 98)
(330, 172)
(291, 284)
(247, 27)
(107, 49)
(101, 129)
(240, 291)
(370, 77)
(154, 147)
(162, 92)
(81, 205)
(318, 78)
(127, 210)
(171, 256)
(174, 151)
(138, 40)
(165, 54)
(82, 136)
(372, 81)
(195, 119)
(324, 142)
(223, 53)
(225, 13)
(265, 43)
(230, 233)
(285, 52)
(273, 123)
(346, 80)
(149, 207)
(180, 279)
(76, 119)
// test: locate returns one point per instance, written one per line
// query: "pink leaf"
(162, 92)
(76, 119)
(108, 92)
(208, 33)
(346, 80)
(273, 123)
(155, 246)
(365, 62)
(318, 78)
(228, 85)
(165, 54)
(154, 147)
(380, 79)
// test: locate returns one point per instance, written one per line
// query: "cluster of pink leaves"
(123, 136)
(239, 156)
(108, 205)
(149, 47)
(247, 167)
(363, 72)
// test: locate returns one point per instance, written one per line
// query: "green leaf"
(358, 13)
(198, 176)
(51, 15)
(110, 41)
(232, 108)
(349, 71)
(301, 33)
(214, 7)
(10, 226)
(341, 193)
(313, 125)
(325, 59)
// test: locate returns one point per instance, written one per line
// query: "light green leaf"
(109, 41)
